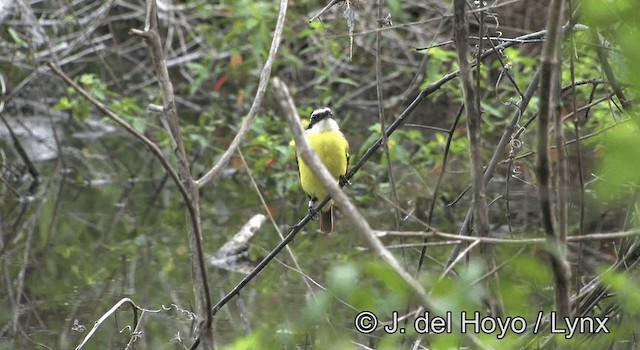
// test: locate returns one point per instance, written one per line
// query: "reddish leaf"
(220, 82)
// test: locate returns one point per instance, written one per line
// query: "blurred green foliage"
(109, 224)
(617, 25)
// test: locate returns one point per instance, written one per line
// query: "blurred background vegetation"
(88, 216)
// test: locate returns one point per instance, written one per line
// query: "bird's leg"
(343, 181)
(312, 204)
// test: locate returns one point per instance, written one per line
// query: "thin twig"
(436, 190)
(385, 143)
(135, 308)
(257, 101)
(459, 257)
(254, 184)
(325, 9)
(608, 71)
(508, 241)
(576, 129)
(20, 279)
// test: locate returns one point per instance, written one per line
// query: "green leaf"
(250, 342)
(343, 279)
(63, 104)
(16, 37)
(625, 290)
(621, 145)
(140, 124)
(87, 79)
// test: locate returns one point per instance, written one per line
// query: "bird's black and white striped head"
(319, 115)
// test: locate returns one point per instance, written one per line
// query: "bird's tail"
(326, 220)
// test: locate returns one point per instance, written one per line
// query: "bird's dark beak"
(318, 115)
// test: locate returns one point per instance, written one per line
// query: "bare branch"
(324, 9)
(479, 201)
(130, 129)
(135, 308)
(474, 125)
(284, 99)
(549, 102)
(151, 34)
(380, 96)
(445, 157)
(257, 101)
(608, 71)
(492, 240)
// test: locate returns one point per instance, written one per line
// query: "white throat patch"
(326, 124)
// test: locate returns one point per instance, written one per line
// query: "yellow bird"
(325, 137)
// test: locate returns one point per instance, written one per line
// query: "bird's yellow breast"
(332, 148)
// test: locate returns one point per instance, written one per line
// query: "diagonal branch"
(608, 71)
(325, 9)
(126, 126)
(257, 101)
